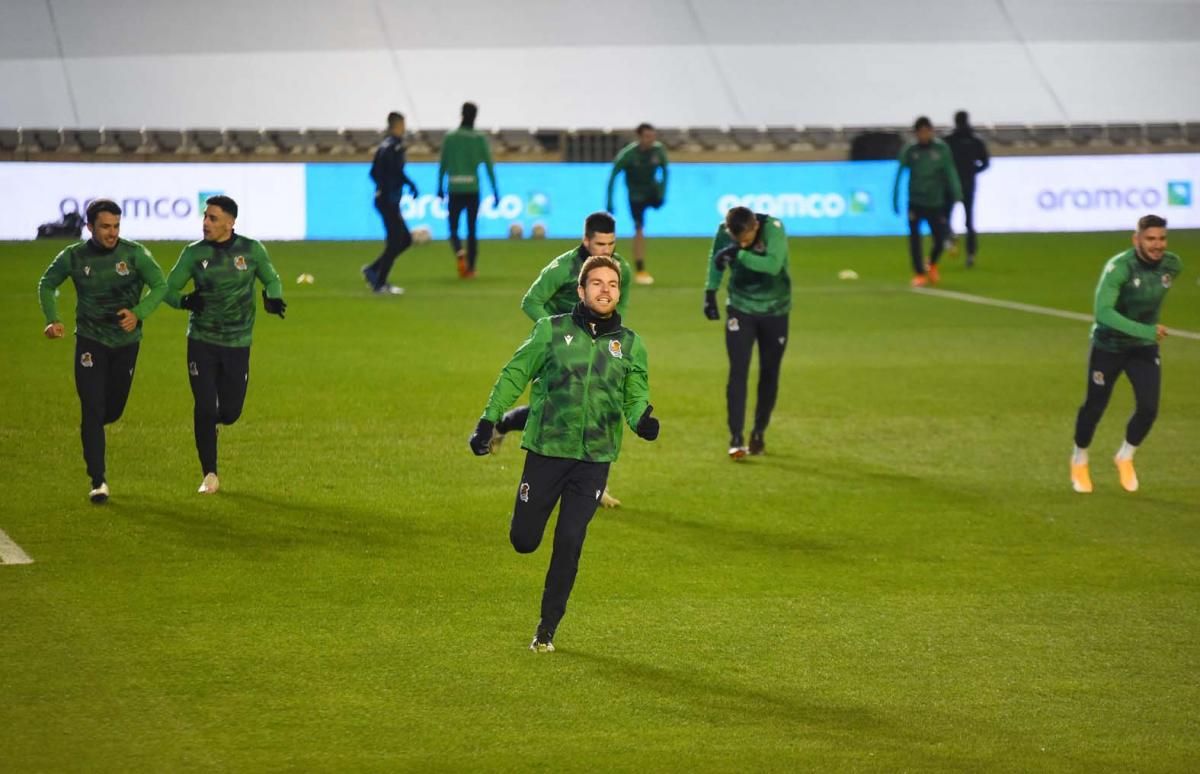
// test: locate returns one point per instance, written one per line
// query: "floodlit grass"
(905, 581)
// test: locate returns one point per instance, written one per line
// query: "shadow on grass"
(721, 533)
(261, 525)
(729, 704)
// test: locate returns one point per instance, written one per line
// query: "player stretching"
(754, 248)
(222, 267)
(1125, 339)
(109, 274)
(589, 376)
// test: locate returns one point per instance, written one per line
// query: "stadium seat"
(363, 140)
(10, 139)
(819, 137)
(45, 139)
(1192, 132)
(1049, 134)
(127, 140)
(1158, 134)
(517, 140)
(710, 137)
(783, 137)
(247, 140)
(166, 140)
(1083, 134)
(673, 138)
(88, 140)
(1124, 134)
(325, 140)
(287, 140)
(550, 140)
(206, 140)
(433, 138)
(1010, 134)
(749, 137)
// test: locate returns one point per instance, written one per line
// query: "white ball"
(538, 231)
(516, 231)
(422, 235)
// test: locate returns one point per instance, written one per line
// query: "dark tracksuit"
(387, 170)
(932, 183)
(970, 158)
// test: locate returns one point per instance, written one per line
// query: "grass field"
(905, 583)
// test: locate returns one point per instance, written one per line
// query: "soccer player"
(463, 150)
(222, 268)
(387, 170)
(755, 250)
(644, 163)
(589, 374)
(555, 291)
(970, 158)
(931, 181)
(1125, 339)
(109, 274)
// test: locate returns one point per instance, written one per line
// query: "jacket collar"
(595, 325)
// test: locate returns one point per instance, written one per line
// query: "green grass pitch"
(904, 583)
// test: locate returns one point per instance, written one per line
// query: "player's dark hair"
(739, 220)
(922, 122)
(962, 120)
(1144, 222)
(224, 202)
(644, 127)
(469, 111)
(394, 117)
(98, 206)
(599, 223)
(596, 262)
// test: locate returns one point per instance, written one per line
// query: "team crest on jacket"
(239, 263)
(614, 348)
(87, 271)
(122, 268)
(85, 360)
(1166, 280)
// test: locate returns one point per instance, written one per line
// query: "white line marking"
(1033, 309)
(10, 552)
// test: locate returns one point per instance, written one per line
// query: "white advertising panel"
(1086, 193)
(159, 201)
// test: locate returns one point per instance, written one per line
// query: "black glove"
(647, 426)
(412, 188)
(725, 256)
(495, 200)
(482, 437)
(274, 305)
(193, 302)
(710, 305)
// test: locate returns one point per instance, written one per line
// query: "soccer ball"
(538, 231)
(422, 235)
(516, 231)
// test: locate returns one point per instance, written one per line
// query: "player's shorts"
(638, 209)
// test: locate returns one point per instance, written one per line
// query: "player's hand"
(54, 330)
(412, 189)
(495, 200)
(127, 320)
(710, 305)
(481, 439)
(1160, 332)
(274, 305)
(726, 256)
(193, 302)
(647, 426)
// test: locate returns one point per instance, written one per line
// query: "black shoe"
(757, 444)
(370, 276)
(542, 641)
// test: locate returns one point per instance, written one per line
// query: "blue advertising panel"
(811, 198)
